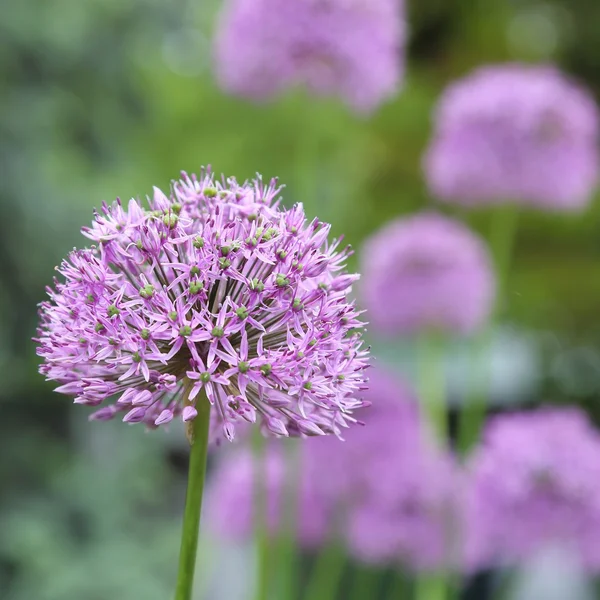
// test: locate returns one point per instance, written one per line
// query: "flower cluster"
(426, 272)
(215, 288)
(533, 485)
(515, 133)
(384, 490)
(347, 48)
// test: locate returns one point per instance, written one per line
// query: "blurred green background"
(106, 98)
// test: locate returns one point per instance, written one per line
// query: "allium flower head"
(345, 48)
(515, 133)
(426, 272)
(215, 287)
(383, 490)
(533, 485)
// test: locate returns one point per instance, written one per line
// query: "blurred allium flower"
(384, 490)
(426, 272)
(230, 506)
(215, 288)
(393, 489)
(533, 485)
(348, 48)
(515, 133)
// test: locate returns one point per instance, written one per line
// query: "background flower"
(515, 133)
(532, 484)
(230, 502)
(426, 272)
(346, 48)
(386, 491)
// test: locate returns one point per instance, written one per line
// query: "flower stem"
(198, 437)
(365, 584)
(401, 588)
(260, 516)
(326, 573)
(502, 237)
(432, 384)
(288, 541)
(432, 391)
(431, 586)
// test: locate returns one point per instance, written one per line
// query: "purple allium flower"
(533, 485)
(347, 48)
(383, 490)
(426, 272)
(393, 488)
(230, 506)
(217, 288)
(515, 133)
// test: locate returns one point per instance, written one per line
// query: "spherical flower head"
(533, 485)
(346, 48)
(389, 488)
(517, 133)
(426, 272)
(232, 490)
(217, 289)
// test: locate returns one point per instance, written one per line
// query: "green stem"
(432, 384)
(401, 588)
(364, 584)
(198, 436)
(287, 541)
(326, 573)
(260, 516)
(474, 410)
(432, 391)
(431, 586)
(502, 237)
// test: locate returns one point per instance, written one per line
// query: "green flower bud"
(196, 287)
(266, 369)
(256, 285)
(170, 220)
(242, 312)
(281, 280)
(112, 311)
(147, 291)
